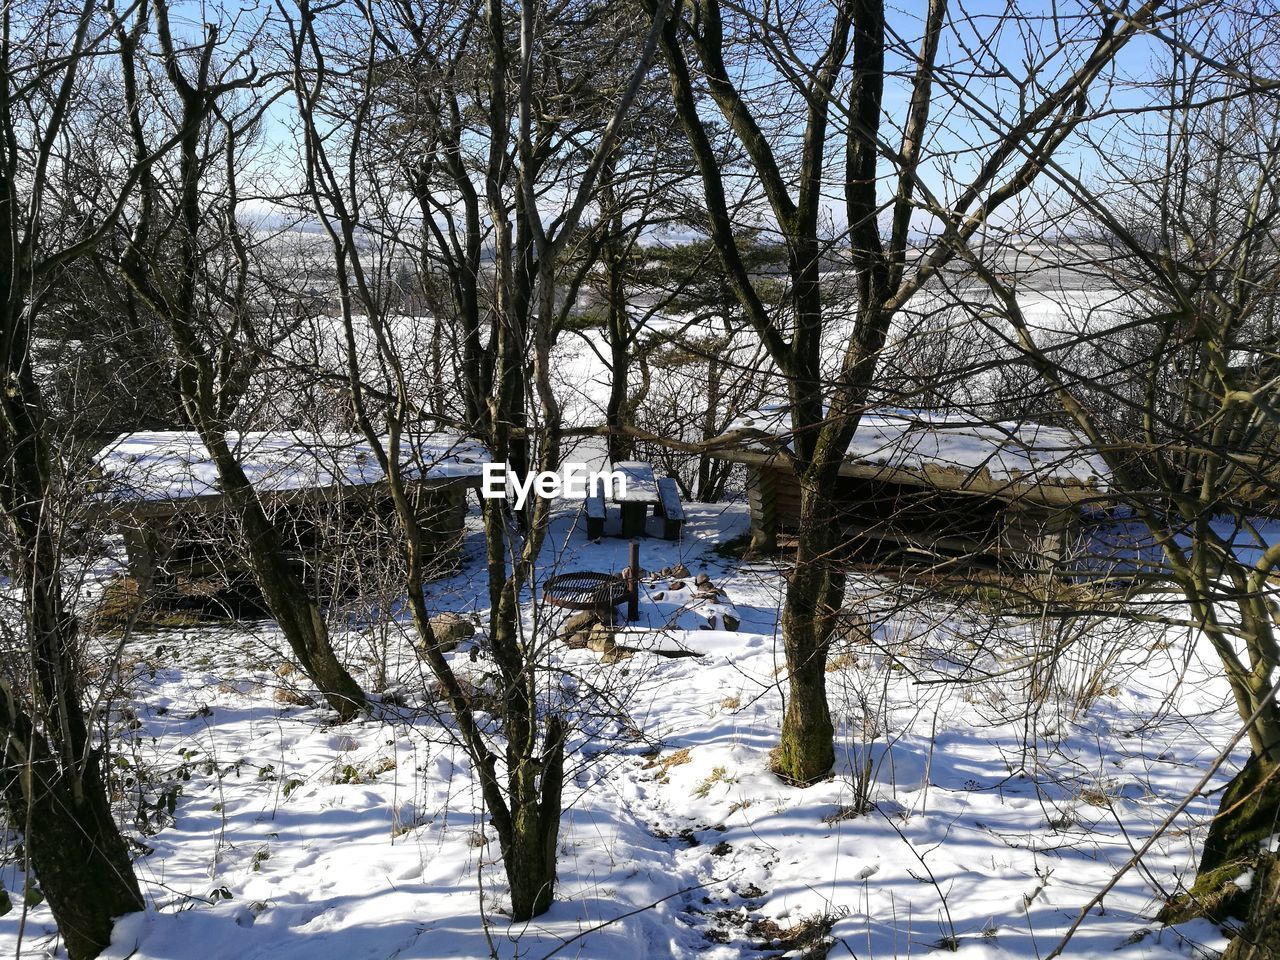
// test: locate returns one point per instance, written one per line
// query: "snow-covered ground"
(999, 806)
(582, 379)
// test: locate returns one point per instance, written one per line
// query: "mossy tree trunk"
(76, 852)
(824, 414)
(529, 853)
(50, 770)
(1181, 498)
(826, 400)
(1260, 938)
(1248, 817)
(815, 591)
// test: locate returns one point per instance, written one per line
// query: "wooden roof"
(1012, 461)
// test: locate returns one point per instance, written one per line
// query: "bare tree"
(173, 267)
(831, 63)
(51, 770)
(1179, 393)
(522, 791)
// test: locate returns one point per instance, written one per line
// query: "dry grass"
(664, 765)
(718, 775)
(1096, 796)
(843, 661)
(121, 605)
(809, 939)
(849, 811)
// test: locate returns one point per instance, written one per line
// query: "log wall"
(337, 539)
(880, 516)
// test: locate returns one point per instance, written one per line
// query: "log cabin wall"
(882, 517)
(338, 536)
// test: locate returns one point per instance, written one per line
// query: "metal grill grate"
(584, 591)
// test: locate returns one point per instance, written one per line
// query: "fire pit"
(585, 591)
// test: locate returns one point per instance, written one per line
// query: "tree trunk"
(1260, 938)
(815, 591)
(76, 851)
(295, 611)
(618, 413)
(707, 491)
(531, 856)
(1248, 816)
(51, 775)
(529, 834)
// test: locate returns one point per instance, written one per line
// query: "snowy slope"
(992, 823)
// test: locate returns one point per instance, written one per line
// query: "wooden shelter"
(934, 487)
(325, 493)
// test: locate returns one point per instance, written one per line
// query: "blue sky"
(960, 127)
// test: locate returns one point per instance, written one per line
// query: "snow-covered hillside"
(997, 809)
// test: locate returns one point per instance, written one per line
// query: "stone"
(580, 622)
(677, 584)
(602, 642)
(679, 570)
(576, 641)
(600, 639)
(729, 622)
(450, 630)
(577, 629)
(702, 580)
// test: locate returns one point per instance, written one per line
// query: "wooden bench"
(595, 511)
(670, 508)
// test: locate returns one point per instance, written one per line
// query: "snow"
(995, 814)
(916, 439)
(175, 464)
(1117, 542)
(582, 378)
(640, 484)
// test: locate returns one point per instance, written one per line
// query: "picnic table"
(642, 491)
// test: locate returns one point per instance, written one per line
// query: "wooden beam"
(762, 489)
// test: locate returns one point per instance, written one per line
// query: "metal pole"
(633, 587)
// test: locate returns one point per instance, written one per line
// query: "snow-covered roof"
(175, 465)
(923, 442)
